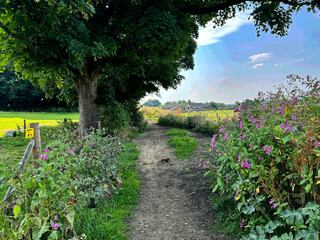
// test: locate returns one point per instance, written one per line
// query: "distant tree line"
(188, 105)
(17, 94)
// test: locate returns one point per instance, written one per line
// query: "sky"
(233, 64)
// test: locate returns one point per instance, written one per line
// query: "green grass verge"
(108, 221)
(181, 140)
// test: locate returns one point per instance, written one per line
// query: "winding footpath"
(173, 202)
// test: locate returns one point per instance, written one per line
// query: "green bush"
(172, 120)
(195, 123)
(268, 159)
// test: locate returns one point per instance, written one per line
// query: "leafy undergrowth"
(266, 160)
(181, 140)
(83, 186)
(108, 220)
(11, 152)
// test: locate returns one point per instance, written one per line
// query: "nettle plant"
(268, 157)
(74, 172)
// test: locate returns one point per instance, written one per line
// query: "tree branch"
(7, 30)
(196, 10)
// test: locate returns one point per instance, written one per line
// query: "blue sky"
(232, 63)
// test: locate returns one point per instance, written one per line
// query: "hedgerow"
(74, 173)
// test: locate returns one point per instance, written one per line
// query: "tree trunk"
(86, 85)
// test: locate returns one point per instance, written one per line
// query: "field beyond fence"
(153, 113)
(15, 120)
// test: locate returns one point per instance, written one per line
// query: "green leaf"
(16, 211)
(308, 187)
(37, 234)
(207, 173)
(54, 235)
(248, 210)
(70, 215)
(215, 188)
(286, 139)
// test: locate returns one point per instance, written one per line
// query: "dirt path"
(173, 203)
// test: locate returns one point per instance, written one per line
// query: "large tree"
(143, 44)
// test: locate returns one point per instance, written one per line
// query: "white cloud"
(277, 64)
(210, 35)
(258, 65)
(260, 57)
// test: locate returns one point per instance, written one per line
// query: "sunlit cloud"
(277, 64)
(258, 65)
(260, 57)
(209, 35)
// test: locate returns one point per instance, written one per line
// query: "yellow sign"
(29, 132)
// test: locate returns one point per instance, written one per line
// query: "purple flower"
(275, 205)
(56, 226)
(243, 220)
(272, 201)
(261, 119)
(47, 150)
(317, 143)
(303, 176)
(42, 156)
(46, 175)
(241, 225)
(257, 126)
(13, 202)
(46, 157)
(56, 217)
(264, 148)
(251, 147)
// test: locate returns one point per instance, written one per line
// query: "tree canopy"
(139, 45)
(152, 103)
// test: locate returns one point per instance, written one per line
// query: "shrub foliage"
(268, 159)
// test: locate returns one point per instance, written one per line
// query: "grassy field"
(212, 114)
(153, 113)
(10, 120)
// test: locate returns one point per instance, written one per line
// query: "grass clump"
(181, 140)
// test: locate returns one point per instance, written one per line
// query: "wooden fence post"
(36, 152)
